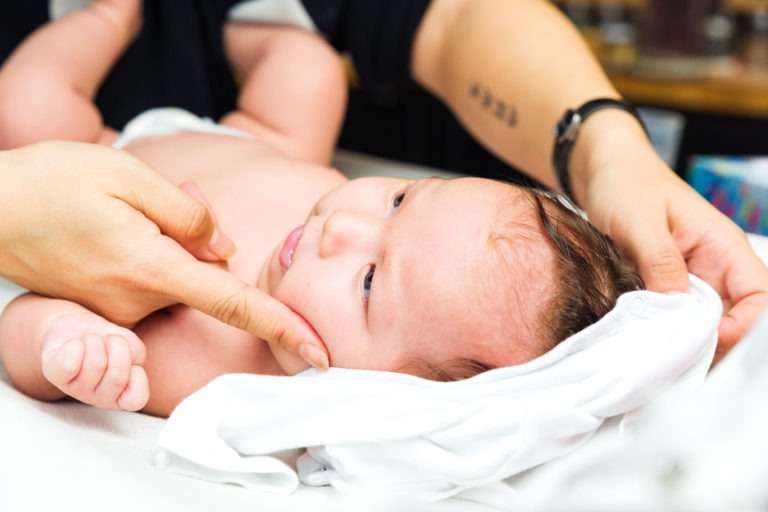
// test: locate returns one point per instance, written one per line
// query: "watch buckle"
(571, 129)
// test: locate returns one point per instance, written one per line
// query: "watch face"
(565, 122)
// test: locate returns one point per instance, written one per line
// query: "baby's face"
(382, 269)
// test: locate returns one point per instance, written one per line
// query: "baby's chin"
(290, 363)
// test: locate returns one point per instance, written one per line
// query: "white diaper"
(286, 12)
(168, 120)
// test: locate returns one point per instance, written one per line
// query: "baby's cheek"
(298, 299)
(290, 363)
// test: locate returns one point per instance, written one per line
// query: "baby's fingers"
(62, 365)
(136, 394)
(100, 371)
(117, 374)
(82, 386)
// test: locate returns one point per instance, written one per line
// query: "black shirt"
(178, 59)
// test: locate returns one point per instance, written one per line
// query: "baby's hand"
(96, 362)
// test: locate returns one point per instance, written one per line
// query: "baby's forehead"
(469, 224)
(450, 266)
(480, 188)
(502, 208)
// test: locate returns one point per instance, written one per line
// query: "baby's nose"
(350, 231)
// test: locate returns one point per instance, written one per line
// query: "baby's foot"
(102, 370)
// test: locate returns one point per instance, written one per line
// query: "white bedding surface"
(67, 456)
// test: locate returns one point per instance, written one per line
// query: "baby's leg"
(295, 89)
(48, 83)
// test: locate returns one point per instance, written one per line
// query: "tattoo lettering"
(487, 99)
(497, 107)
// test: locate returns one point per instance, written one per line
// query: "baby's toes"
(61, 365)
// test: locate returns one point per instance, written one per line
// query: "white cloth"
(168, 120)
(703, 450)
(285, 12)
(378, 431)
(59, 8)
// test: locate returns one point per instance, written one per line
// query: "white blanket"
(403, 436)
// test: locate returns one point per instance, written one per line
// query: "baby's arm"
(48, 83)
(294, 91)
(53, 348)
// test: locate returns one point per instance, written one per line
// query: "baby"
(437, 278)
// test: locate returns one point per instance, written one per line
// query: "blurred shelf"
(733, 5)
(746, 5)
(743, 94)
(723, 85)
(626, 3)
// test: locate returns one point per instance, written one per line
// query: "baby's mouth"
(289, 247)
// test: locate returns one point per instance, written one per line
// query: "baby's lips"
(289, 247)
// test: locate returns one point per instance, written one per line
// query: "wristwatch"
(567, 130)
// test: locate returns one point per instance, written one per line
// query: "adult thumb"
(661, 265)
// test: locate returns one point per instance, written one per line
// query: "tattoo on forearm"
(500, 109)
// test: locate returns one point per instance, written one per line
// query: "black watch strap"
(567, 131)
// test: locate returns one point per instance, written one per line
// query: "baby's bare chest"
(257, 196)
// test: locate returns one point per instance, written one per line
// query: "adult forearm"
(508, 69)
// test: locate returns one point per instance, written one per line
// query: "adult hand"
(463, 53)
(670, 230)
(94, 225)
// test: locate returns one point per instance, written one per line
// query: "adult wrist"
(570, 132)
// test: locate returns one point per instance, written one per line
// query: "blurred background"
(697, 68)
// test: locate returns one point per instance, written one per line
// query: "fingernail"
(221, 245)
(314, 356)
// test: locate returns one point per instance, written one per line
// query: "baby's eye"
(367, 282)
(398, 199)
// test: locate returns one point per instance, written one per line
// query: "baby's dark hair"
(592, 273)
(589, 276)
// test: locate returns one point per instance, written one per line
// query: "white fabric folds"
(285, 12)
(377, 431)
(168, 120)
